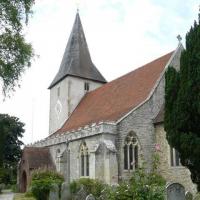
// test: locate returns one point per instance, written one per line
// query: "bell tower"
(76, 76)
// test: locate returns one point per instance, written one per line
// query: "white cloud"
(121, 34)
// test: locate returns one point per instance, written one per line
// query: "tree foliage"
(182, 104)
(11, 130)
(42, 182)
(15, 52)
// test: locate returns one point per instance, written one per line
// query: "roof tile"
(116, 98)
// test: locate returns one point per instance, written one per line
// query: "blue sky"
(121, 34)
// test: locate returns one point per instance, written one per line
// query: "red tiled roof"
(38, 157)
(114, 99)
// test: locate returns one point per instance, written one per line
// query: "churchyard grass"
(23, 197)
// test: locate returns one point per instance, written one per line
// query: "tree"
(11, 130)
(182, 104)
(15, 53)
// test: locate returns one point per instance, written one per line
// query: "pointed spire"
(76, 59)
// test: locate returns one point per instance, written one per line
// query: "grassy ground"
(22, 197)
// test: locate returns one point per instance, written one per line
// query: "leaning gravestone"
(81, 195)
(65, 191)
(175, 191)
(188, 196)
(54, 192)
(90, 197)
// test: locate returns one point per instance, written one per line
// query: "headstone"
(188, 195)
(103, 195)
(54, 192)
(175, 191)
(114, 187)
(65, 191)
(81, 194)
(90, 197)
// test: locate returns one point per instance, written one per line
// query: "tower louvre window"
(86, 86)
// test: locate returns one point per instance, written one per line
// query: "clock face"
(58, 108)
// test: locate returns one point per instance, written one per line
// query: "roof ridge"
(113, 100)
(128, 73)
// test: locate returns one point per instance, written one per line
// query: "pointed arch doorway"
(24, 182)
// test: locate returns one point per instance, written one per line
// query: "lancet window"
(175, 158)
(84, 160)
(131, 152)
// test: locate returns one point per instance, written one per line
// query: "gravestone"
(175, 191)
(81, 194)
(114, 188)
(103, 194)
(54, 192)
(188, 196)
(90, 197)
(65, 191)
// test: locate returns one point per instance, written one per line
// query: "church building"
(105, 130)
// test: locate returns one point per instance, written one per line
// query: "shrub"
(42, 181)
(142, 185)
(92, 186)
(4, 176)
(197, 196)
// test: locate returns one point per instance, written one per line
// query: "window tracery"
(84, 160)
(131, 152)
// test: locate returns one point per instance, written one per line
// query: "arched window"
(131, 152)
(175, 157)
(84, 160)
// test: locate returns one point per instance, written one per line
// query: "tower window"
(131, 152)
(174, 157)
(86, 86)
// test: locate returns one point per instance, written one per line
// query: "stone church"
(104, 130)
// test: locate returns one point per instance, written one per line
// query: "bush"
(142, 185)
(5, 176)
(42, 181)
(28, 194)
(92, 186)
(197, 196)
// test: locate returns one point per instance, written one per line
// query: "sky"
(121, 34)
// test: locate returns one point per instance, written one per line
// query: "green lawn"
(22, 197)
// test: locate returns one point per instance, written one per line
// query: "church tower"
(76, 76)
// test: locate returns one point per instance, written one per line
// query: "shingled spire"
(76, 59)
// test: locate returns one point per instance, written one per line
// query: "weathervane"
(179, 38)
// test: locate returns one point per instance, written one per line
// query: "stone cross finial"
(179, 38)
